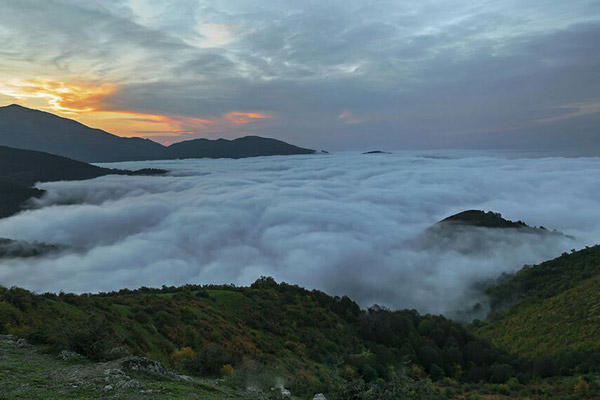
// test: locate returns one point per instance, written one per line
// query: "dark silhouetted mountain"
(20, 169)
(25, 128)
(248, 146)
(26, 167)
(13, 196)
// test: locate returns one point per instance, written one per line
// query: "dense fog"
(343, 223)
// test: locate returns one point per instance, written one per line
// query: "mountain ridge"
(31, 129)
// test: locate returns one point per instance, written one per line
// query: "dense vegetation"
(315, 342)
(271, 332)
(550, 278)
(549, 312)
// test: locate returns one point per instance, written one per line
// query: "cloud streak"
(343, 223)
(421, 74)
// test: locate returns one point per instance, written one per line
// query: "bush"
(89, 337)
(183, 356)
(501, 373)
(210, 359)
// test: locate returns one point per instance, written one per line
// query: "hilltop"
(482, 219)
(30, 129)
(476, 232)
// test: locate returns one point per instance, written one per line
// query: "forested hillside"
(550, 312)
(313, 341)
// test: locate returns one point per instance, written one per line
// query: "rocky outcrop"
(143, 364)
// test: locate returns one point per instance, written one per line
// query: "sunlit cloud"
(346, 117)
(61, 96)
(241, 118)
(87, 103)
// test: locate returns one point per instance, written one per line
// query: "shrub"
(210, 359)
(183, 356)
(227, 370)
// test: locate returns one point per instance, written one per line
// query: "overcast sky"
(338, 75)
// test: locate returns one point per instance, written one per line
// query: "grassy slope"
(255, 324)
(549, 308)
(307, 338)
(28, 373)
(565, 322)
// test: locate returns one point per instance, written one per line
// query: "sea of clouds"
(343, 223)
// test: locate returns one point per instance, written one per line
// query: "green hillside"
(311, 341)
(550, 278)
(567, 321)
(550, 312)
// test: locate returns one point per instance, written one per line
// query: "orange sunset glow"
(88, 103)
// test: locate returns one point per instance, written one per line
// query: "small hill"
(482, 219)
(549, 309)
(478, 232)
(30, 129)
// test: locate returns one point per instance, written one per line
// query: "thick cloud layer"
(344, 223)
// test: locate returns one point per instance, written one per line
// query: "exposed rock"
(286, 393)
(67, 355)
(319, 396)
(114, 371)
(22, 342)
(144, 364)
(132, 384)
(118, 352)
(107, 388)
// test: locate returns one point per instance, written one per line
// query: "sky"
(343, 223)
(335, 75)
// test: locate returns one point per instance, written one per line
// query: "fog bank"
(342, 223)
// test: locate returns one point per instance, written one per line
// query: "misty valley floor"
(343, 223)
